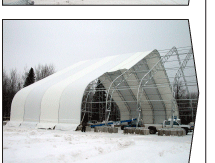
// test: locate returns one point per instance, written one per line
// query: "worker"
(84, 124)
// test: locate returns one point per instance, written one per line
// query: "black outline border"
(194, 66)
(107, 4)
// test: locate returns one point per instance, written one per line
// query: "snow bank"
(24, 145)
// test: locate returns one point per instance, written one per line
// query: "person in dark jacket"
(84, 124)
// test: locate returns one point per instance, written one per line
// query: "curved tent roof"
(57, 98)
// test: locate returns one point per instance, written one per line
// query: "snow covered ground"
(24, 145)
(103, 2)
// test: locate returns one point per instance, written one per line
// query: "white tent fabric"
(155, 101)
(56, 100)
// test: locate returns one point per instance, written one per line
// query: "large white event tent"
(57, 99)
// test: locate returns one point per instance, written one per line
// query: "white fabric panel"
(127, 64)
(165, 92)
(51, 98)
(145, 105)
(49, 111)
(124, 112)
(56, 100)
(35, 96)
(147, 110)
(71, 98)
(18, 103)
(131, 61)
(127, 95)
(159, 110)
(70, 102)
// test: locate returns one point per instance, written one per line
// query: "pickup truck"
(153, 128)
(191, 125)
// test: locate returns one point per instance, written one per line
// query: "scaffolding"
(162, 85)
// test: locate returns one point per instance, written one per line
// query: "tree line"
(12, 82)
(97, 109)
(187, 103)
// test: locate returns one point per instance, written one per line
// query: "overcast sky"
(65, 42)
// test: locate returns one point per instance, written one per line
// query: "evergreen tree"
(30, 78)
(99, 108)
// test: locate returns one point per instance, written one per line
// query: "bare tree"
(192, 103)
(179, 90)
(187, 103)
(5, 81)
(13, 82)
(24, 75)
(10, 86)
(5, 91)
(43, 71)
